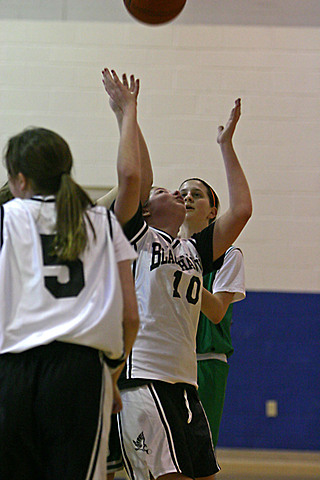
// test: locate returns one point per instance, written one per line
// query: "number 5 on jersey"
(73, 287)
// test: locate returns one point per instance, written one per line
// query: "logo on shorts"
(140, 444)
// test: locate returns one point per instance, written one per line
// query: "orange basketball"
(154, 11)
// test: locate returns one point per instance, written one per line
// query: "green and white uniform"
(214, 345)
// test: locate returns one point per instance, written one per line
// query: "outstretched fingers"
(109, 80)
(136, 87)
(134, 84)
(121, 93)
(125, 80)
(225, 133)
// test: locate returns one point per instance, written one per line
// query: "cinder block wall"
(190, 76)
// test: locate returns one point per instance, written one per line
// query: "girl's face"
(197, 203)
(163, 201)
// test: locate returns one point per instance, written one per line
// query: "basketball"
(154, 11)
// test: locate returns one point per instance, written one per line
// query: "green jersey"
(211, 337)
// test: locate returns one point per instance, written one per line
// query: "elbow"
(214, 318)
(135, 322)
(129, 176)
(249, 209)
(132, 320)
(247, 213)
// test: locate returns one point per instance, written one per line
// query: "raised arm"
(123, 98)
(230, 224)
(146, 169)
(145, 163)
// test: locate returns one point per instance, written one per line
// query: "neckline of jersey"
(41, 198)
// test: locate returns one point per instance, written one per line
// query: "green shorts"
(212, 381)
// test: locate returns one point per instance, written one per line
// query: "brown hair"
(45, 159)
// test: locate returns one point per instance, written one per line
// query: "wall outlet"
(271, 408)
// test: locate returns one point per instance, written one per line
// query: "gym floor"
(268, 465)
(246, 464)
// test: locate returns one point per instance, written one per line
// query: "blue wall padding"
(276, 337)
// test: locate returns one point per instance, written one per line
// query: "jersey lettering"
(160, 256)
(177, 277)
(73, 287)
(193, 290)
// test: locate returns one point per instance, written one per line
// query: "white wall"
(190, 75)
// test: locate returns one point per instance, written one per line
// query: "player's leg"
(173, 476)
(156, 426)
(212, 381)
(147, 440)
(19, 455)
(199, 438)
(114, 460)
(73, 405)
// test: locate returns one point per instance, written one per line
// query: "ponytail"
(72, 220)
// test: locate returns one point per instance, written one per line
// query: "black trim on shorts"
(96, 455)
(164, 423)
(191, 439)
(127, 465)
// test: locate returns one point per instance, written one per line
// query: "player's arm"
(145, 163)
(108, 199)
(146, 175)
(215, 305)
(130, 306)
(130, 321)
(229, 225)
(146, 169)
(128, 162)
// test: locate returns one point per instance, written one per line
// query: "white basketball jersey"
(168, 278)
(43, 299)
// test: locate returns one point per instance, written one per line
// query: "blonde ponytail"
(72, 220)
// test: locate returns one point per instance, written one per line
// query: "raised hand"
(121, 94)
(225, 134)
